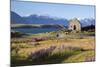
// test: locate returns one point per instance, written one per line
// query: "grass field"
(46, 48)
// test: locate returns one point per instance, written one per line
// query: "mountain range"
(36, 19)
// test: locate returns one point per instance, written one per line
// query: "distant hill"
(87, 22)
(35, 19)
(16, 19)
(88, 28)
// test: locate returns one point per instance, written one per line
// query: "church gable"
(74, 25)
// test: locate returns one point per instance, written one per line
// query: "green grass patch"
(82, 57)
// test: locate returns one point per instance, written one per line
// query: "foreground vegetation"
(50, 48)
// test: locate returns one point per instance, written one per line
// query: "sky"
(67, 11)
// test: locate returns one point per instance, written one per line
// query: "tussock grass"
(82, 57)
(71, 48)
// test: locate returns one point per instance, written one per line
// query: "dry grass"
(23, 47)
(86, 44)
(82, 57)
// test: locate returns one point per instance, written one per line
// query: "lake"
(35, 30)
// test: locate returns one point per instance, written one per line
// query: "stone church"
(74, 25)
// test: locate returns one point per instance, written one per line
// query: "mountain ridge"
(35, 19)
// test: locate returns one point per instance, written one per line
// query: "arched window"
(74, 27)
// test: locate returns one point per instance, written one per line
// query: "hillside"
(35, 19)
(88, 28)
(16, 19)
(38, 19)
